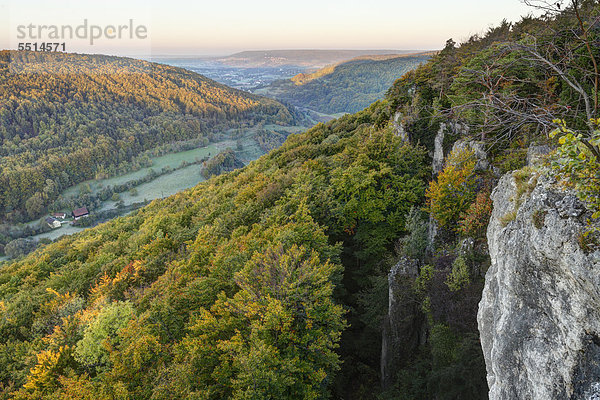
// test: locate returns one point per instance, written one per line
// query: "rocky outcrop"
(398, 126)
(539, 316)
(478, 149)
(456, 129)
(401, 333)
(437, 162)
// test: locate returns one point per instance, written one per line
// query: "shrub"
(425, 276)
(511, 159)
(459, 276)
(589, 241)
(443, 345)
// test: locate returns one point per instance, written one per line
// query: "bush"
(577, 163)
(459, 276)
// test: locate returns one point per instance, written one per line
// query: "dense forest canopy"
(67, 118)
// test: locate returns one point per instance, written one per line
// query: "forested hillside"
(67, 118)
(349, 86)
(285, 279)
(226, 290)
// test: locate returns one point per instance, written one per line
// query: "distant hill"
(64, 118)
(303, 58)
(347, 86)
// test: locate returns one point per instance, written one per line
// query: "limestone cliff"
(539, 316)
(402, 328)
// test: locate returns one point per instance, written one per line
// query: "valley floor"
(178, 177)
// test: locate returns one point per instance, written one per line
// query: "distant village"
(57, 219)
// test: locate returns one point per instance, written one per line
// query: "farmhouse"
(59, 215)
(53, 223)
(80, 213)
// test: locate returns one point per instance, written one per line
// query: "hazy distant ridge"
(305, 58)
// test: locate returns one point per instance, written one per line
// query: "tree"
(20, 247)
(275, 338)
(454, 190)
(101, 333)
(474, 221)
(35, 205)
(562, 85)
(415, 243)
(42, 378)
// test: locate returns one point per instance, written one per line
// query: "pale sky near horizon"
(222, 27)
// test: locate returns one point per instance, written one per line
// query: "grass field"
(179, 179)
(163, 186)
(66, 229)
(173, 160)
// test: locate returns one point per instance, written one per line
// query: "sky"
(222, 27)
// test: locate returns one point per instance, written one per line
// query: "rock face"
(401, 333)
(478, 149)
(453, 128)
(539, 316)
(437, 162)
(537, 154)
(399, 129)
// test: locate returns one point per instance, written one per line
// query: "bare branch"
(562, 74)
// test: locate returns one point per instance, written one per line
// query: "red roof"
(80, 212)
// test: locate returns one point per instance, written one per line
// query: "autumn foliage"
(474, 221)
(454, 190)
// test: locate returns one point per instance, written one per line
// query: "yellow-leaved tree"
(454, 190)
